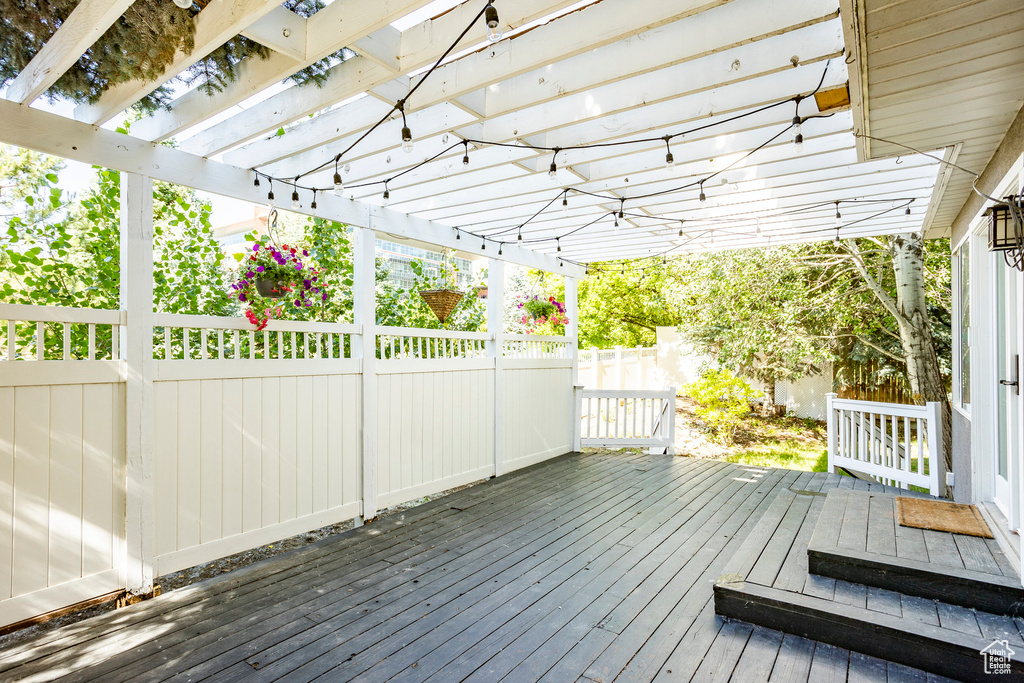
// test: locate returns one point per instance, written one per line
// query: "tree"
(138, 46)
(620, 304)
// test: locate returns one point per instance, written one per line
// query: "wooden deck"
(586, 568)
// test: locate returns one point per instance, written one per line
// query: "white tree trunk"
(916, 331)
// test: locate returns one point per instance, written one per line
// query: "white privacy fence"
(898, 445)
(254, 435)
(624, 418)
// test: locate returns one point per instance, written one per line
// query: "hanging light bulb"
(565, 202)
(465, 158)
(270, 195)
(836, 238)
(493, 23)
(839, 217)
(312, 204)
(553, 171)
(483, 245)
(520, 236)
(906, 213)
(703, 197)
(616, 222)
(339, 186)
(387, 196)
(558, 241)
(458, 234)
(670, 160)
(406, 140)
(256, 181)
(757, 226)
(798, 134)
(499, 247)
(295, 199)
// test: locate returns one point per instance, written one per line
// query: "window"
(962, 264)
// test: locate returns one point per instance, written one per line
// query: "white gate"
(623, 418)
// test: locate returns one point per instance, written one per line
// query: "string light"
(520, 237)
(493, 23)
(839, 216)
(703, 197)
(670, 160)
(295, 198)
(500, 244)
(406, 140)
(338, 184)
(256, 181)
(387, 195)
(565, 201)
(553, 169)
(558, 241)
(907, 212)
(458, 234)
(312, 204)
(270, 195)
(798, 133)
(465, 159)
(483, 245)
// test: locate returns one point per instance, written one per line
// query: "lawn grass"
(790, 454)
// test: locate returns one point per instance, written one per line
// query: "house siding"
(962, 469)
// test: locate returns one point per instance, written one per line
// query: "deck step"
(939, 650)
(772, 582)
(872, 549)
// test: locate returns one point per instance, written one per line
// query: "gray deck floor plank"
(590, 567)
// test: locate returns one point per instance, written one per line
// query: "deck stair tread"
(863, 605)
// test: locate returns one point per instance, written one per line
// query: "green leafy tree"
(620, 304)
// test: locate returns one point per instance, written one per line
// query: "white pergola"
(564, 75)
(393, 414)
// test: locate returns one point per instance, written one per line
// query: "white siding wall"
(241, 462)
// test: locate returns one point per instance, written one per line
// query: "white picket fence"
(256, 436)
(898, 445)
(625, 418)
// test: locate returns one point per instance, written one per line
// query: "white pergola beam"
(281, 30)
(52, 134)
(220, 21)
(418, 47)
(89, 20)
(332, 28)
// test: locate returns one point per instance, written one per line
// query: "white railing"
(897, 445)
(47, 333)
(535, 346)
(394, 343)
(617, 418)
(202, 337)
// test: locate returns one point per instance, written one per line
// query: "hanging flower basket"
(271, 289)
(442, 301)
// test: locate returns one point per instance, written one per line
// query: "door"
(1008, 400)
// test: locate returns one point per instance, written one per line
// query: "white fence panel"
(435, 430)
(257, 435)
(62, 459)
(538, 417)
(623, 418)
(898, 445)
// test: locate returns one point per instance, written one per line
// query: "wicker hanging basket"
(442, 301)
(271, 289)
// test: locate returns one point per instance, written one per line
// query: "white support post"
(936, 457)
(137, 352)
(832, 431)
(364, 347)
(671, 422)
(572, 335)
(496, 326)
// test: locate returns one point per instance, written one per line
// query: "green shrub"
(723, 400)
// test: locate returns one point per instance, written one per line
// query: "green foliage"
(138, 46)
(55, 251)
(723, 399)
(543, 315)
(406, 308)
(624, 308)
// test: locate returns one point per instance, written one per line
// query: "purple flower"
(298, 266)
(298, 303)
(306, 284)
(255, 247)
(305, 252)
(325, 296)
(259, 269)
(250, 274)
(241, 297)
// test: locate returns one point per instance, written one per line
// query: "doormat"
(921, 513)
